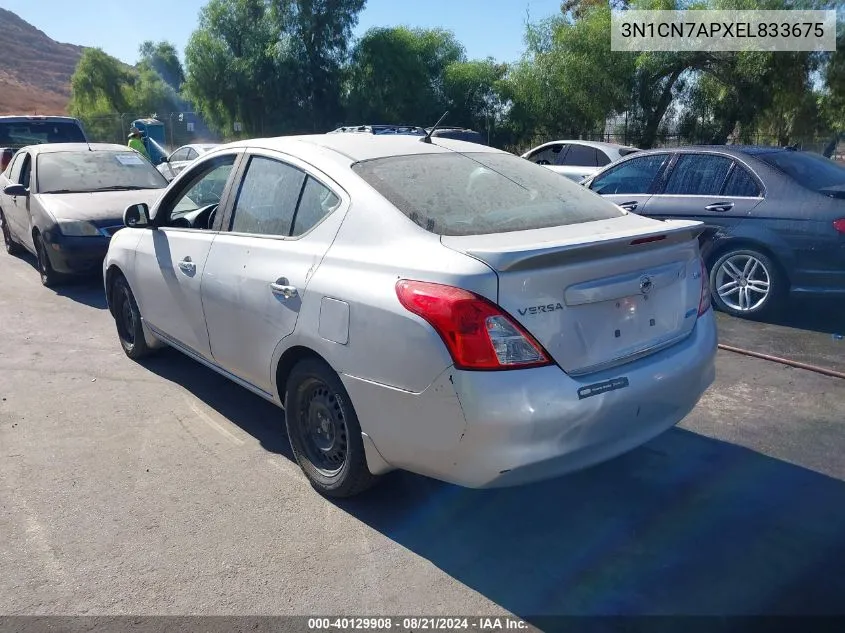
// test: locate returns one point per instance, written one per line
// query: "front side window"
(634, 176)
(267, 198)
(191, 154)
(205, 188)
(480, 193)
(547, 156)
(87, 171)
(179, 155)
(698, 175)
(15, 167)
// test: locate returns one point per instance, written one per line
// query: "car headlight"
(76, 228)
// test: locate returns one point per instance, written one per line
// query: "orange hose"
(784, 361)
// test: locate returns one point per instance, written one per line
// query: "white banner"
(723, 31)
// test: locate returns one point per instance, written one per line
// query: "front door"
(281, 225)
(170, 260)
(17, 207)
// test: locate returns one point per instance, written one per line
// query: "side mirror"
(16, 190)
(137, 216)
(163, 160)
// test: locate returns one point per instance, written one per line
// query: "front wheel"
(49, 277)
(747, 283)
(324, 431)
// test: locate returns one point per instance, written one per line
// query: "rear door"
(258, 270)
(631, 183)
(708, 187)
(580, 161)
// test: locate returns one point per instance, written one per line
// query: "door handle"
(187, 266)
(629, 206)
(282, 289)
(720, 206)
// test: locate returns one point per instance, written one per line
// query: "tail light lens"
(704, 300)
(839, 225)
(477, 333)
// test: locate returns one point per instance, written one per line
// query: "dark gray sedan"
(775, 216)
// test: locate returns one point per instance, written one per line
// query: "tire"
(127, 318)
(49, 277)
(330, 454)
(12, 247)
(747, 283)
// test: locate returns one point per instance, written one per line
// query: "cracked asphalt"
(162, 488)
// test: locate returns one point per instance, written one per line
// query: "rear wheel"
(747, 283)
(49, 277)
(324, 431)
(12, 247)
(127, 317)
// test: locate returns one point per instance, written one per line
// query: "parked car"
(577, 159)
(172, 165)
(63, 202)
(448, 308)
(19, 131)
(776, 216)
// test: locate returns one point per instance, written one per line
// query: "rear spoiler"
(510, 257)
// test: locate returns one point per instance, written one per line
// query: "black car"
(775, 216)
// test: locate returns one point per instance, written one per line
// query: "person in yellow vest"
(136, 142)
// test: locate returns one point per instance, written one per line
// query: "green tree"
(397, 75)
(473, 93)
(163, 58)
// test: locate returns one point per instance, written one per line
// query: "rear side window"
(580, 156)
(740, 184)
(316, 203)
(602, 159)
(633, 176)
(267, 198)
(698, 175)
(38, 132)
(480, 193)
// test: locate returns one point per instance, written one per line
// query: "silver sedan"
(440, 307)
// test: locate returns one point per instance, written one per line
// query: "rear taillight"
(839, 225)
(704, 300)
(477, 333)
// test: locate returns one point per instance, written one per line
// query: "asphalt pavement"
(162, 488)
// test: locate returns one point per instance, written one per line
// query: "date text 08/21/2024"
(417, 623)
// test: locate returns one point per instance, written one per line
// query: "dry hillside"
(35, 70)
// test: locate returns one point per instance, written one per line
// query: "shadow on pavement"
(87, 290)
(261, 419)
(686, 525)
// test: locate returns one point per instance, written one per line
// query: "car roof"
(360, 147)
(596, 144)
(732, 150)
(24, 118)
(55, 148)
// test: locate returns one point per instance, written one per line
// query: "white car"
(577, 159)
(172, 165)
(445, 308)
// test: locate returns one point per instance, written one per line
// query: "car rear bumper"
(77, 255)
(492, 429)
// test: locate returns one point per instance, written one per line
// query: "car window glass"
(580, 156)
(191, 154)
(741, 184)
(316, 203)
(633, 176)
(205, 188)
(15, 168)
(82, 171)
(602, 159)
(546, 156)
(26, 170)
(698, 175)
(179, 155)
(267, 198)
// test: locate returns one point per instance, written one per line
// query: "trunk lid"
(597, 294)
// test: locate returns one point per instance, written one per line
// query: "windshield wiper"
(62, 191)
(119, 188)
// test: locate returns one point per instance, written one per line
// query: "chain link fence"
(180, 128)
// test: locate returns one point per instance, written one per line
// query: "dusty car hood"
(102, 205)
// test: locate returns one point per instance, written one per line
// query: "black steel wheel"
(127, 317)
(49, 277)
(12, 247)
(324, 431)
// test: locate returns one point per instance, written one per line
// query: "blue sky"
(485, 27)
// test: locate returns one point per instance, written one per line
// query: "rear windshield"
(78, 172)
(813, 171)
(39, 132)
(481, 192)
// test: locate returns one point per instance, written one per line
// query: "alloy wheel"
(743, 282)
